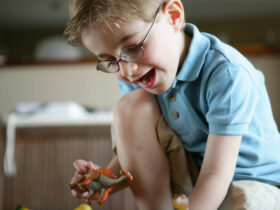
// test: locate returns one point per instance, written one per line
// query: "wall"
(80, 83)
(269, 65)
(236, 31)
(14, 13)
(244, 31)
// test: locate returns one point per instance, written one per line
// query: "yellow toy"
(180, 202)
(83, 207)
(21, 207)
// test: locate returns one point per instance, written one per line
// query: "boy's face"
(156, 70)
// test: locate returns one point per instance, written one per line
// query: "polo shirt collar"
(197, 52)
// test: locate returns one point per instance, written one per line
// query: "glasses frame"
(123, 58)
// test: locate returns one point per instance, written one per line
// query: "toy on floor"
(21, 207)
(83, 207)
(180, 202)
(99, 183)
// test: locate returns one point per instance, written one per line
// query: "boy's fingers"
(79, 194)
(80, 166)
(77, 176)
(92, 165)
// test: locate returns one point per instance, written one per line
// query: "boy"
(211, 97)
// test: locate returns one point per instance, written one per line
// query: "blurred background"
(32, 46)
(26, 24)
(39, 68)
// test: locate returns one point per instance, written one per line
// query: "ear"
(175, 11)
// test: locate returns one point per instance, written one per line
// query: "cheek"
(154, 55)
(119, 76)
(158, 53)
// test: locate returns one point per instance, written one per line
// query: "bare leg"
(135, 120)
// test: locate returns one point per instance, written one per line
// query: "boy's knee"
(137, 110)
(137, 105)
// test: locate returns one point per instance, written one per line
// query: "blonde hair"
(104, 13)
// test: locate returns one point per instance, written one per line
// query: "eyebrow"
(127, 37)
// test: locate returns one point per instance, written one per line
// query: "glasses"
(129, 54)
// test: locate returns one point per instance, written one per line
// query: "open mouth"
(148, 80)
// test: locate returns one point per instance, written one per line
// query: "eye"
(132, 53)
(131, 49)
(107, 58)
(111, 64)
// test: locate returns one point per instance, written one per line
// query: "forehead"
(103, 39)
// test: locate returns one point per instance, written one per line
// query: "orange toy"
(99, 183)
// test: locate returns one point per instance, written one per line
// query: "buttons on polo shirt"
(175, 114)
(172, 97)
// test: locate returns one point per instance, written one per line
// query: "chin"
(157, 91)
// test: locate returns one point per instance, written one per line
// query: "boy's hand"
(81, 167)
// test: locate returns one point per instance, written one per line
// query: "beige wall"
(81, 83)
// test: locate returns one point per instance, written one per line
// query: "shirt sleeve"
(126, 87)
(231, 97)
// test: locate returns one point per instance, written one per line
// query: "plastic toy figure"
(180, 202)
(83, 206)
(21, 207)
(99, 183)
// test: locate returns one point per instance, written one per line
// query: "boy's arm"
(216, 172)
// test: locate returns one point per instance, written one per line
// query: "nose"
(128, 69)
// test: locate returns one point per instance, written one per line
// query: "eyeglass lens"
(130, 54)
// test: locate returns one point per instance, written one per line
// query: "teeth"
(147, 78)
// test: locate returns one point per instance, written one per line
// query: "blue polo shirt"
(218, 91)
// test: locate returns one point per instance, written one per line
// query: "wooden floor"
(44, 160)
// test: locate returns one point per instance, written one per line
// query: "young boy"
(172, 76)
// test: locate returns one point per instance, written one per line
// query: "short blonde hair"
(104, 13)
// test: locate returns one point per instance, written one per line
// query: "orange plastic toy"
(99, 183)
